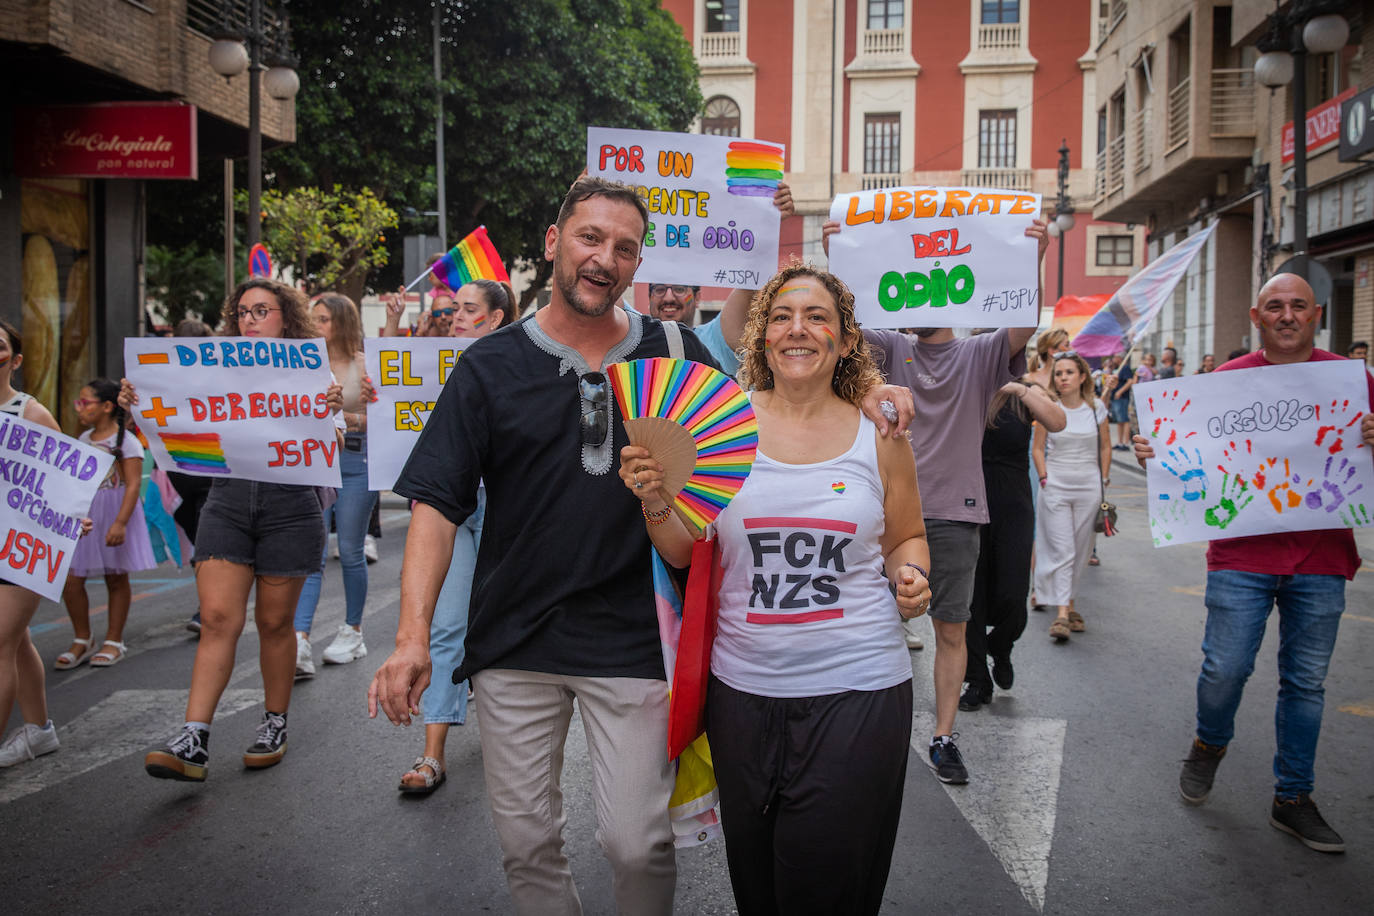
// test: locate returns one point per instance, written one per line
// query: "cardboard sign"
(938, 257)
(253, 408)
(49, 480)
(711, 216)
(408, 373)
(1257, 451)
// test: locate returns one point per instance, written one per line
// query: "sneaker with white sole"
(28, 742)
(370, 549)
(305, 662)
(347, 647)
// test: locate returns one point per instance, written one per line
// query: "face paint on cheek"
(4, 360)
(479, 321)
(830, 339)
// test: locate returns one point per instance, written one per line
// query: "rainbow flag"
(198, 453)
(474, 258)
(753, 169)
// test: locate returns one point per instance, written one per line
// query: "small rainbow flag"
(753, 169)
(196, 453)
(474, 258)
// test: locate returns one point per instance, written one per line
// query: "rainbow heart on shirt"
(838, 486)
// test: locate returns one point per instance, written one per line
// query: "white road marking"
(1013, 789)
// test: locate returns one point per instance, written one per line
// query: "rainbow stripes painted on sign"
(474, 258)
(199, 453)
(713, 410)
(753, 169)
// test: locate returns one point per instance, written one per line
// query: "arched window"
(721, 117)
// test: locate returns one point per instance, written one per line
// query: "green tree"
(186, 282)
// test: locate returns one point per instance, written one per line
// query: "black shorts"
(278, 529)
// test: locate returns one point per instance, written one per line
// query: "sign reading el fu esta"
(245, 407)
(938, 257)
(49, 482)
(409, 373)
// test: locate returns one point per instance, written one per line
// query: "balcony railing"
(874, 180)
(1115, 12)
(1141, 141)
(1011, 179)
(1233, 103)
(1100, 176)
(1116, 164)
(999, 36)
(717, 45)
(1180, 112)
(884, 42)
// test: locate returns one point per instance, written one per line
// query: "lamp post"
(1063, 210)
(257, 47)
(1308, 25)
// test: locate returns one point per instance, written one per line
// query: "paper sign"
(1256, 451)
(252, 408)
(408, 374)
(938, 257)
(711, 216)
(49, 480)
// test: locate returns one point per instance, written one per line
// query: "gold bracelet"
(656, 518)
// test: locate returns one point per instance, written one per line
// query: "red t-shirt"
(1329, 552)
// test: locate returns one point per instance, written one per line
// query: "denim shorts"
(1119, 410)
(276, 528)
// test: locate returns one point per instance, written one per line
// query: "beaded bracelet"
(656, 518)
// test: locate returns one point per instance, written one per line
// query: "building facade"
(875, 93)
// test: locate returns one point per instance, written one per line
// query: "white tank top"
(805, 609)
(16, 404)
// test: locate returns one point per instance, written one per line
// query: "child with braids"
(119, 543)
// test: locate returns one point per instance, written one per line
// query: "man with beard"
(563, 602)
(952, 380)
(1303, 573)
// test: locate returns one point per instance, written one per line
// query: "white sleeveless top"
(16, 404)
(805, 609)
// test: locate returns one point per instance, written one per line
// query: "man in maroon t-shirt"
(1304, 573)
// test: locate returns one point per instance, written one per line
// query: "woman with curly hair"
(823, 554)
(251, 533)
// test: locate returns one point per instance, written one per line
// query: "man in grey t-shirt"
(952, 380)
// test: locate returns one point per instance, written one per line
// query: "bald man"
(1303, 573)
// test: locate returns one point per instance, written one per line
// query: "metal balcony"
(1142, 143)
(1233, 103)
(1180, 113)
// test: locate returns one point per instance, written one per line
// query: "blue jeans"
(1238, 605)
(443, 700)
(350, 513)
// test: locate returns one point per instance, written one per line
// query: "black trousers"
(1002, 581)
(810, 794)
(193, 490)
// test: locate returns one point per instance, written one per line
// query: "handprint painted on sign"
(1332, 491)
(1235, 495)
(1168, 414)
(1189, 470)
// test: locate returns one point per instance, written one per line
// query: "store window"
(1115, 250)
(59, 340)
(882, 144)
(721, 117)
(722, 15)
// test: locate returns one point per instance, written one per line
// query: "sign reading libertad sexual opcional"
(1257, 451)
(938, 257)
(49, 482)
(244, 407)
(711, 216)
(408, 374)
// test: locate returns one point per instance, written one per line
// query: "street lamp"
(1063, 210)
(1309, 25)
(229, 57)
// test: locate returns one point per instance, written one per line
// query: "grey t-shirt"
(952, 384)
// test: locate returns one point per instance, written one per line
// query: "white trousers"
(1064, 520)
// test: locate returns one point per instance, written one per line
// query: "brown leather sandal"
(1076, 622)
(1059, 630)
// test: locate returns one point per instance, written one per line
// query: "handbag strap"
(1101, 471)
(673, 332)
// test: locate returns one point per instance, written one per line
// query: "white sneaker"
(347, 647)
(305, 662)
(370, 548)
(27, 742)
(912, 640)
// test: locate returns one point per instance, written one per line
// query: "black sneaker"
(270, 747)
(194, 623)
(974, 697)
(186, 757)
(1300, 817)
(946, 761)
(1003, 675)
(1199, 769)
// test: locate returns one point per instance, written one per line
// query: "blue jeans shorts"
(275, 528)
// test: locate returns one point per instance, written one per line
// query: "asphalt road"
(1072, 807)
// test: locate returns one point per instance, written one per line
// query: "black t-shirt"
(563, 583)
(1124, 375)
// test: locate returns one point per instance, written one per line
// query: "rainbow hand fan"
(696, 422)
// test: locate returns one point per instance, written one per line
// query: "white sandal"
(103, 659)
(432, 782)
(67, 661)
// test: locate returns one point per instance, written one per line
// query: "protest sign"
(1256, 451)
(711, 216)
(50, 480)
(408, 374)
(938, 257)
(252, 408)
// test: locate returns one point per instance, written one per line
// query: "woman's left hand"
(86, 526)
(115, 536)
(913, 592)
(641, 473)
(334, 397)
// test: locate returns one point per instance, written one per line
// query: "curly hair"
(297, 322)
(855, 374)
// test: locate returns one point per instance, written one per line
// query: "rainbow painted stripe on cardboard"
(474, 258)
(714, 411)
(753, 169)
(199, 453)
